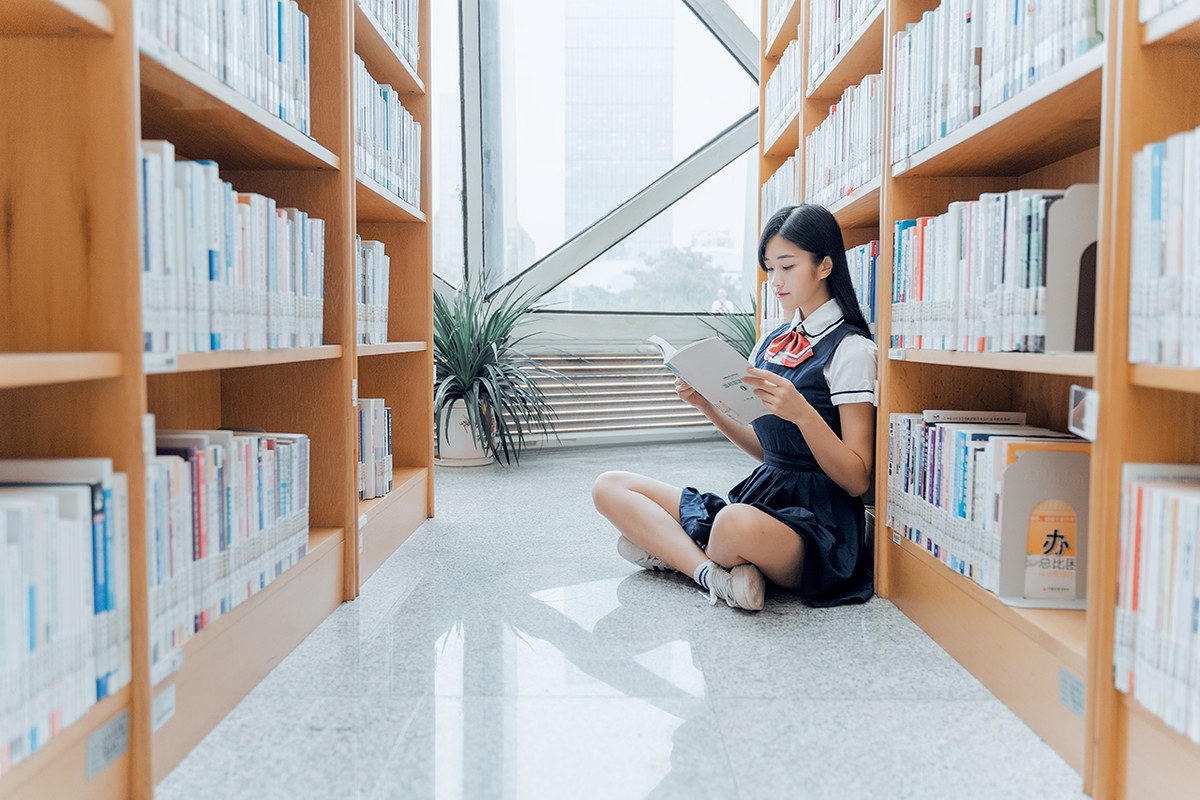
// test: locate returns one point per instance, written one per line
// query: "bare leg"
(646, 511)
(742, 533)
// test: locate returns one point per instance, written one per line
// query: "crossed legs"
(646, 511)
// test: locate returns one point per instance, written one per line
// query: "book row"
(386, 137)
(1156, 652)
(782, 188)
(372, 273)
(844, 152)
(1164, 257)
(862, 261)
(832, 28)
(1011, 271)
(259, 48)
(222, 269)
(777, 11)
(64, 596)
(374, 448)
(398, 19)
(781, 95)
(226, 514)
(965, 57)
(950, 479)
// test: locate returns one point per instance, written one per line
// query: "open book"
(715, 370)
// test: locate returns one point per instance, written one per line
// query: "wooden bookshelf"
(863, 56)
(40, 369)
(860, 209)
(1175, 379)
(1017, 654)
(223, 662)
(1179, 24)
(74, 381)
(389, 520)
(383, 60)
(1055, 133)
(391, 348)
(234, 359)
(202, 116)
(1151, 413)
(786, 33)
(55, 18)
(1080, 364)
(376, 204)
(785, 140)
(1055, 118)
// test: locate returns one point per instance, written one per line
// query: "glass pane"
(697, 256)
(585, 102)
(447, 175)
(751, 13)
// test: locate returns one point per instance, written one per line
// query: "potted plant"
(483, 384)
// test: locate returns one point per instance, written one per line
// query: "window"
(584, 104)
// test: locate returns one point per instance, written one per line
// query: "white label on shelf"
(166, 667)
(362, 521)
(1070, 692)
(354, 392)
(164, 707)
(107, 743)
(156, 363)
(895, 538)
(896, 353)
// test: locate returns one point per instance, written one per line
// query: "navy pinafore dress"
(790, 486)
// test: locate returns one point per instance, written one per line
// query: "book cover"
(714, 369)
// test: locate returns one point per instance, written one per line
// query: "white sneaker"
(636, 555)
(741, 587)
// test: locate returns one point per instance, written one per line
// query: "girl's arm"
(848, 461)
(741, 435)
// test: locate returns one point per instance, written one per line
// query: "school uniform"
(790, 484)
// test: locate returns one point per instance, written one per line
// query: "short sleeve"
(852, 371)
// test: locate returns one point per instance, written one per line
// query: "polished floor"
(506, 651)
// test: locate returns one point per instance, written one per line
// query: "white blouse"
(852, 370)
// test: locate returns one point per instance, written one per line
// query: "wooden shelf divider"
(376, 204)
(204, 117)
(41, 369)
(1178, 25)
(1055, 118)
(55, 18)
(1079, 364)
(391, 348)
(863, 56)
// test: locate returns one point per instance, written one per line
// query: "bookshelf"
(1148, 413)
(81, 87)
(1082, 123)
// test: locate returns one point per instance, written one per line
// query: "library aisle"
(506, 650)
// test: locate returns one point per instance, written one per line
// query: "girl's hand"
(689, 395)
(778, 394)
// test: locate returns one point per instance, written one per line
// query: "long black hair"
(814, 229)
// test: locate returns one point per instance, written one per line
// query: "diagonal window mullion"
(593, 241)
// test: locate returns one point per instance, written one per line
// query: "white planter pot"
(456, 446)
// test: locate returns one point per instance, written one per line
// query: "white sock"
(702, 573)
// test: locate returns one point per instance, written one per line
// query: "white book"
(714, 369)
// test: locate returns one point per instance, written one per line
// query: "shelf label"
(164, 707)
(166, 667)
(354, 392)
(896, 353)
(157, 363)
(107, 744)
(895, 538)
(1070, 692)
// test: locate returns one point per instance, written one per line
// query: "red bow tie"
(789, 349)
